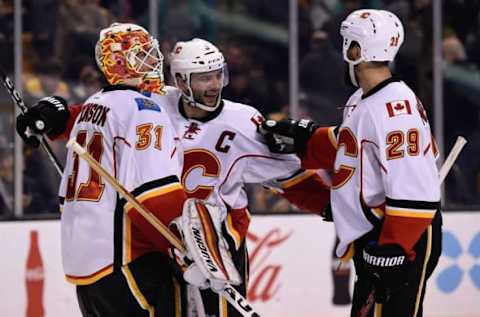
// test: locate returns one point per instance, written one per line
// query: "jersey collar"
(119, 87)
(381, 85)
(212, 115)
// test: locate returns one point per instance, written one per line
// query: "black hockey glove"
(288, 135)
(327, 213)
(387, 267)
(48, 116)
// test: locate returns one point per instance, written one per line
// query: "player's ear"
(354, 51)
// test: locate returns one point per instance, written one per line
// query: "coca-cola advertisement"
(34, 277)
(290, 258)
(264, 275)
(291, 270)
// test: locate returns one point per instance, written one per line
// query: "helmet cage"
(127, 54)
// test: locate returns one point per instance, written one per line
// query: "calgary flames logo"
(191, 131)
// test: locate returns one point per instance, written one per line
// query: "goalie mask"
(197, 56)
(378, 33)
(127, 54)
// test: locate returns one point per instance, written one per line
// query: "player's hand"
(387, 267)
(48, 116)
(288, 135)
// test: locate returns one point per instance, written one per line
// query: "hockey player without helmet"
(127, 54)
(197, 56)
(379, 34)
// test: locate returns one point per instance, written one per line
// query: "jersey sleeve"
(74, 112)
(283, 173)
(260, 164)
(411, 181)
(321, 149)
(152, 167)
(307, 190)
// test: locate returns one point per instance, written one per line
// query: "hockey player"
(385, 190)
(223, 151)
(117, 258)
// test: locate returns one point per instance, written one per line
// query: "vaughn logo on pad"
(399, 107)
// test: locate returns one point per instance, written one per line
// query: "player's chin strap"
(229, 293)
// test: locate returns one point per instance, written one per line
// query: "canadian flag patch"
(396, 108)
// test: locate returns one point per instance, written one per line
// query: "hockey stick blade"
(442, 174)
(18, 100)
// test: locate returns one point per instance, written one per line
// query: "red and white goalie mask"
(127, 54)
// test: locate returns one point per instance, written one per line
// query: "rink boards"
(290, 268)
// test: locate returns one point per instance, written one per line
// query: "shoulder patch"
(399, 107)
(147, 104)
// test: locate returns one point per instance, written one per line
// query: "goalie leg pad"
(201, 228)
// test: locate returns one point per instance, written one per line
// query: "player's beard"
(201, 98)
(346, 76)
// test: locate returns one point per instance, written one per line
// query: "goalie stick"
(447, 165)
(18, 100)
(229, 293)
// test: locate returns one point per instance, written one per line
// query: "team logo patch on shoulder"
(147, 104)
(399, 107)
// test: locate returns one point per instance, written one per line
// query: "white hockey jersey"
(224, 151)
(132, 137)
(385, 163)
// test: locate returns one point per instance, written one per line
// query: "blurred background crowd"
(58, 47)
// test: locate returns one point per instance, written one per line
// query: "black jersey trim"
(118, 234)
(152, 185)
(119, 87)
(298, 172)
(370, 215)
(381, 85)
(61, 200)
(155, 184)
(413, 204)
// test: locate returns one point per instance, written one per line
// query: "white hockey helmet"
(127, 54)
(379, 33)
(197, 56)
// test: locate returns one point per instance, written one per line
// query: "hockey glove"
(288, 135)
(49, 116)
(212, 267)
(326, 214)
(387, 267)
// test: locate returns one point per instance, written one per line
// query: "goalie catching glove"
(200, 227)
(49, 116)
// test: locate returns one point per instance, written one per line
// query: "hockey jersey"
(132, 137)
(224, 151)
(384, 171)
